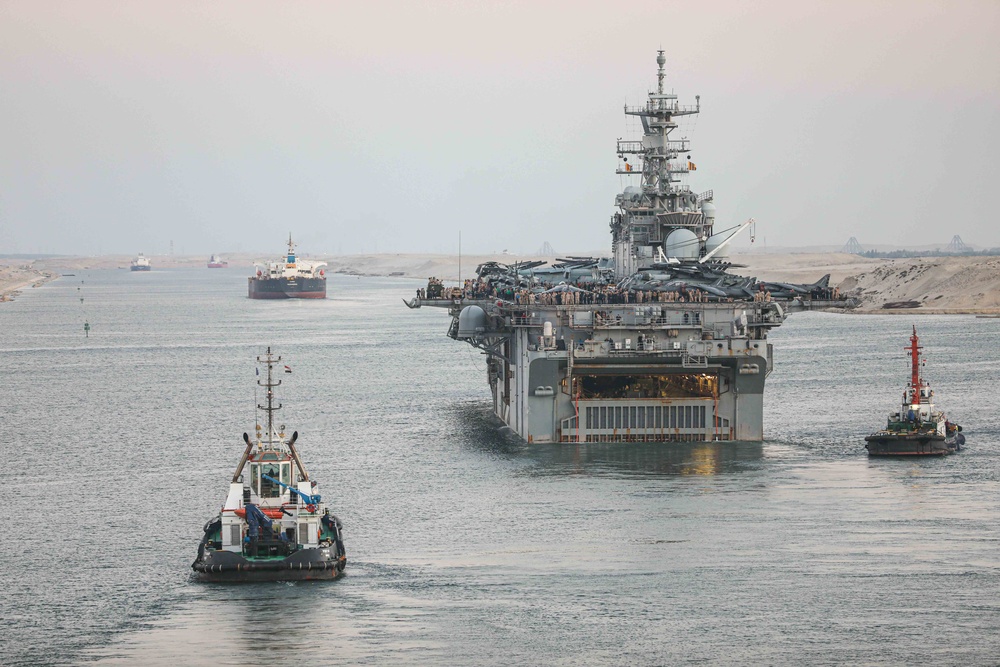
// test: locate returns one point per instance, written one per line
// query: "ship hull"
(140, 268)
(282, 288)
(218, 266)
(909, 445)
(591, 380)
(305, 565)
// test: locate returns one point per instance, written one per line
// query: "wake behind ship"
(292, 278)
(658, 342)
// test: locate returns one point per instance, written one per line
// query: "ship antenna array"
(661, 60)
(270, 408)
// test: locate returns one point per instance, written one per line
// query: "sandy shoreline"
(15, 278)
(941, 285)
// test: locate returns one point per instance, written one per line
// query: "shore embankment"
(16, 277)
(930, 285)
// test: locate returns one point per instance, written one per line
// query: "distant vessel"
(216, 262)
(289, 279)
(271, 528)
(141, 263)
(917, 429)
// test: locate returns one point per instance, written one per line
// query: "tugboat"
(216, 262)
(289, 279)
(271, 528)
(917, 429)
(141, 263)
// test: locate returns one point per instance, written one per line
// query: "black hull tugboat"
(917, 429)
(271, 528)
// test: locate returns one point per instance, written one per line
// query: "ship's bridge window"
(265, 488)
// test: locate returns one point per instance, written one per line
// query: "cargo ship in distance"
(292, 278)
(141, 263)
(216, 262)
(658, 342)
(917, 428)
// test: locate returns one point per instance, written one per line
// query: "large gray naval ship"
(657, 343)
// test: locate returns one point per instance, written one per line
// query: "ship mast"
(291, 253)
(660, 205)
(916, 383)
(269, 408)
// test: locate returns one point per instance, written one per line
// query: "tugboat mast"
(916, 383)
(270, 408)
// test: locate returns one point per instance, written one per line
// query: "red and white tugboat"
(273, 526)
(917, 429)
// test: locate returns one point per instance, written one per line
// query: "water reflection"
(476, 428)
(479, 430)
(646, 459)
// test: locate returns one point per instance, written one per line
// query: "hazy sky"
(222, 126)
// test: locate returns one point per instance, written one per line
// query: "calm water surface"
(465, 545)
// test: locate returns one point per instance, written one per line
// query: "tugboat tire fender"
(249, 567)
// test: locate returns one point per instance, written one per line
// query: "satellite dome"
(633, 192)
(714, 242)
(471, 322)
(681, 244)
(708, 209)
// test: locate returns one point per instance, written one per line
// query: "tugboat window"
(255, 478)
(269, 489)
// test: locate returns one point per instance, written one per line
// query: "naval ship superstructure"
(657, 343)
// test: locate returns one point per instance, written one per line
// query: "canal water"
(466, 546)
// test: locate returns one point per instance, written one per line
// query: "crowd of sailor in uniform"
(565, 294)
(547, 294)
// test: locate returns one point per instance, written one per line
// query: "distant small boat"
(216, 262)
(141, 263)
(917, 429)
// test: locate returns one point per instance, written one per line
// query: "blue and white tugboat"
(274, 526)
(917, 428)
